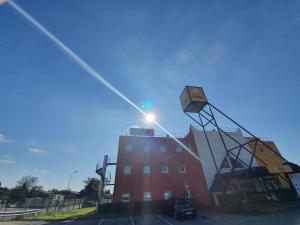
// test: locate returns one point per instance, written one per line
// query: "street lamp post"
(68, 186)
(75, 171)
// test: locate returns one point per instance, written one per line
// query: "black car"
(182, 207)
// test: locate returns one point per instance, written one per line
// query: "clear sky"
(55, 118)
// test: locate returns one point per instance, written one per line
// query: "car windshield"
(185, 202)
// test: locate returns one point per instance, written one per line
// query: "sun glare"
(150, 118)
(92, 72)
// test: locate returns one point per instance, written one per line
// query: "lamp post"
(71, 175)
(68, 186)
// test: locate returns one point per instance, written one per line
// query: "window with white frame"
(147, 196)
(147, 169)
(146, 148)
(162, 148)
(167, 195)
(127, 170)
(164, 169)
(126, 197)
(178, 148)
(128, 148)
(181, 169)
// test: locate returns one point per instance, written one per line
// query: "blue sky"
(55, 118)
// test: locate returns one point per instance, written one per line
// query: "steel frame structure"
(104, 181)
(207, 117)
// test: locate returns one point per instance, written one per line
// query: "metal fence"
(48, 205)
(59, 205)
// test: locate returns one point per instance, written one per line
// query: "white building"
(219, 152)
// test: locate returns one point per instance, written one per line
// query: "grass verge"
(68, 215)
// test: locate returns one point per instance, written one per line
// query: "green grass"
(68, 215)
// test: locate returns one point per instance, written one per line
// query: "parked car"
(181, 207)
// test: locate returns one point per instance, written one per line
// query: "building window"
(126, 197)
(181, 169)
(128, 148)
(127, 169)
(178, 148)
(162, 148)
(167, 195)
(190, 147)
(146, 148)
(147, 196)
(164, 169)
(146, 169)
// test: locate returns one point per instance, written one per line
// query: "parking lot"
(290, 217)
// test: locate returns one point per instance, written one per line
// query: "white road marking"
(131, 220)
(101, 221)
(166, 221)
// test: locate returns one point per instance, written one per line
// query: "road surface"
(290, 217)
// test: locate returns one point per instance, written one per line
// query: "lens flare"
(91, 71)
(147, 105)
(150, 118)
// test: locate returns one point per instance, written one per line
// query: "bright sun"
(150, 118)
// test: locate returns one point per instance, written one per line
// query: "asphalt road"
(291, 217)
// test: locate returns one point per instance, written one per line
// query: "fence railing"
(9, 208)
(62, 205)
(15, 214)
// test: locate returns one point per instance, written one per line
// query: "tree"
(26, 188)
(19, 193)
(54, 191)
(90, 190)
(4, 193)
(92, 182)
(28, 182)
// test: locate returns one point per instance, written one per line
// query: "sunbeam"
(85, 66)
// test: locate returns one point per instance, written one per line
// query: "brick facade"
(136, 152)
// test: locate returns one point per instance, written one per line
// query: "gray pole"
(75, 171)
(68, 186)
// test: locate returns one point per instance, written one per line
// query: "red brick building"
(151, 168)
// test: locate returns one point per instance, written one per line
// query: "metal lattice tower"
(195, 106)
